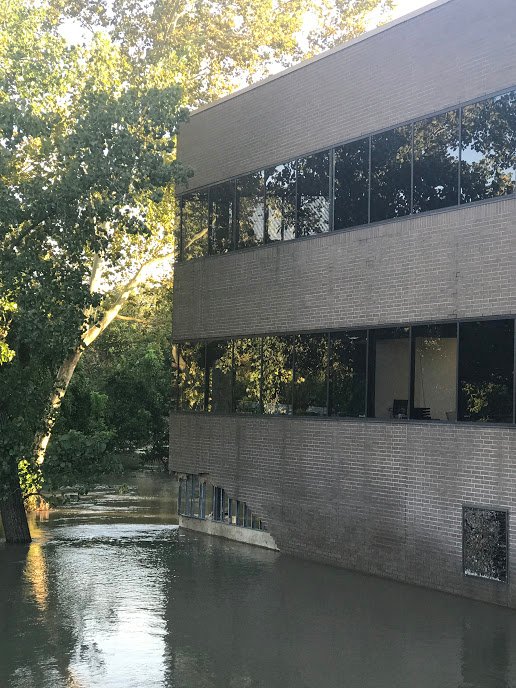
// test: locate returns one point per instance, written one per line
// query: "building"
(344, 307)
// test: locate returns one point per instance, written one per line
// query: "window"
(436, 162)
(351, 185)
(221, 217)
(280, 193)
(277, 376)
(389, 363)
(219, 372)
(310, 368)
(247, 370)
(391, 162)
(313, 194)
(488, 155)
(250, 209)
(486, 362)
(434, 372)
(191, 376)
(194, 225)
(219, 504)
(484, 543)
(348, 374)
(189, 502)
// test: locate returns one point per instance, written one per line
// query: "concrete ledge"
(258, 538)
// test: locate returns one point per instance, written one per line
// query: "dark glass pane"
(219, 503)
(208, 501)
(435, 372)
(313, 192)
(485, 543)
(486, 361)
(220, 376)
(191, 376)
(391, 154)
(277, 375)
(351, 184)
(195, 496)
(250, 210)
(389, 368)
(247, 366)
(181, 498)
(436, 162)
(222, 199)
(488, 166)
(310, 368)
(348, 374)
(175, 402)
(280, 190)
(195, 225)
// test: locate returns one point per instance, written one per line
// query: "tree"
(88, 169)
(88, 164)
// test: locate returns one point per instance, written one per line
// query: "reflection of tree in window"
(247, 367)
(486, 361)
(277, 375)
(280, 189)
(488, 157)
(436, 162)
(219, 369)
(191, 376)
(313, 191)
(221, 217)
(310, 368)
(391, 156)
(348, 374)
(250, 209)
(351, 184)
(195, 225)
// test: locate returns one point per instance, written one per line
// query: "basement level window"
(485, 543)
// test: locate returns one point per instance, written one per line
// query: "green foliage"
(76, 460)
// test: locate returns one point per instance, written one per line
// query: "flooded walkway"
(113, 594)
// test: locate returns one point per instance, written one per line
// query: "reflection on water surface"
(113, 594)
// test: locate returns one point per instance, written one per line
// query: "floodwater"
(114, 594)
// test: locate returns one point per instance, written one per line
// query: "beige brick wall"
(455, 264)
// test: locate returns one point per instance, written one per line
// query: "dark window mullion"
(412, 363)
(458, 405)
(328, 373)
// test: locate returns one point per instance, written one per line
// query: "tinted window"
(221, 217)
(435, 372)
(391, 154)
(389, 367)
(488, 166)
(280, 189)
(191, 376)
(250, 209)
(220, 376)
(348, 374)
(351, 184)
(194, 224)
(486, 360)
(247, 367)
(277, 375)
(436, 162)
(310, 375)
(313, 192)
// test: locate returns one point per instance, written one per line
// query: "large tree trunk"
(54, 404)
(14, 517)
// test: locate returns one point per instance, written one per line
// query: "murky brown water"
(114, 595)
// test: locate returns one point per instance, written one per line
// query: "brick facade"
(380, 497)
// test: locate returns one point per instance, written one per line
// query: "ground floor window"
(485, 542)
(200, 499)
